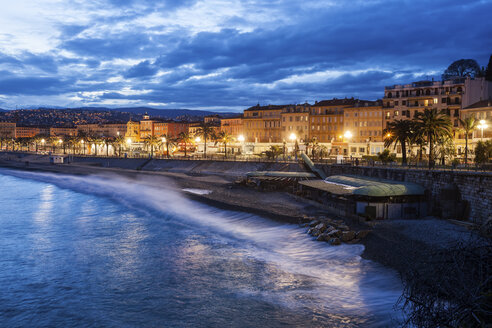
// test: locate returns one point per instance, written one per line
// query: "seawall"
(475, 188)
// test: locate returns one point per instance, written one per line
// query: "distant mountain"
(163, 113)
(91, 115)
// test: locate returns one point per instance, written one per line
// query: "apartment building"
(111, 130)
(327, 120)
(7, 130)
(263, 123)
(63, 132)
(482, 112)
(26, 131)
(232, 126)
(295, 122)
(405, 101)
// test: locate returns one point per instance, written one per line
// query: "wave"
(344, 281)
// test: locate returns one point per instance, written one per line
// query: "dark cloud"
(142, 69)
(33, 86)
(388, 41)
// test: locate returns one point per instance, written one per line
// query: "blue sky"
(228, 55)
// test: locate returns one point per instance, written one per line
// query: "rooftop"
(481, 104)
(364, 186)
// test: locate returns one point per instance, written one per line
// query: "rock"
(313, 223)
(321, 237)
(316, 233)
(347, 236)
(335, 241)
(334, 234)
(310, 231)
(321, 227)
(330, 228)
(354, 241)
(362, 234)
(343, 227)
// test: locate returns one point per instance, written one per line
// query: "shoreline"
(393, 244)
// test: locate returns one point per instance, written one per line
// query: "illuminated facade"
(263, 123)
(7, 130)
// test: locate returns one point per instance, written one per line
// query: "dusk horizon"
(223, 56)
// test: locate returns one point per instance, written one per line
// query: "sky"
(228, 55)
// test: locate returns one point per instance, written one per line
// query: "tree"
(467, 126)
(206, 131)
(118, 142)
(446, 148)
(462, 68)
(433, 125)
(488, 70)
(398, 132)
(186, 138)
(418, 138)
(386, 156)
(274, 152)
(224, 138)
(483, 151)
(152, 141)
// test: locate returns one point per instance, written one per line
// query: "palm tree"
(433, 125)
(467, 126)
(224, 138)
(152, 141)
(207, 131)
(106, 141)
(186, 138)
(96, 140)
(118, 142)
(398, 132)
(418, 138)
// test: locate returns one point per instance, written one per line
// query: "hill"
(91, 115)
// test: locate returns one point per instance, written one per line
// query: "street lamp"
(198, 139)
(348, 135)
(240, 138)
(83, 148)
(483, 125)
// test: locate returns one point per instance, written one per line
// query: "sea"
(108, 251)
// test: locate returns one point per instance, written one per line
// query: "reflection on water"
(106, 253)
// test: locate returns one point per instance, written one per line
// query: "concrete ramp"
(313, 168)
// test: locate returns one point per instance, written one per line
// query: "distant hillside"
(90, 115)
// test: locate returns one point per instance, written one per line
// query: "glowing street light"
(483, 125)
(83, 148)
(292, 137)
(388, 135)
(348, 135)
(241, 138)
(163, 139)
(129, 141)
(198, 139)
(60, 141)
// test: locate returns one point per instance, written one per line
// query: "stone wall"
(475, 188)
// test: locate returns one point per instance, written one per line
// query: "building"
(326, 120)
(109, 130)
(7, 130)
(63, 132)
(369, 197)
(405, 101)
(476, 90)
(212, 119)
(132, 131)
(26, 131)
(146, 127)
(364, 128)
(295, 122)
(263, 123)
(482, 111)
(232, 126)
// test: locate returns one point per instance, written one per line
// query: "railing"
(287, 160)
